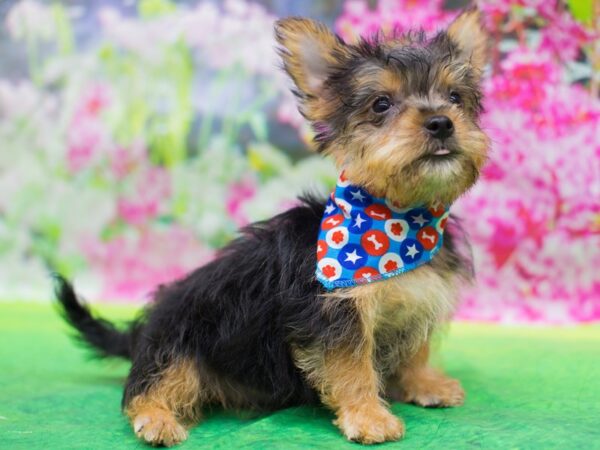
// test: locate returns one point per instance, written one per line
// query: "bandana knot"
(364, 238)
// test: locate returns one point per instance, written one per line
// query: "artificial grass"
(527, 388)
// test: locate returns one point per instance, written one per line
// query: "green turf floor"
(527, 388)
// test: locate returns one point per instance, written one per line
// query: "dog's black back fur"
(237, 316)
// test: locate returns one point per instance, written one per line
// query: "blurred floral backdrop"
(138, 136)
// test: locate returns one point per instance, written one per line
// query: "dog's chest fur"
(398, 315)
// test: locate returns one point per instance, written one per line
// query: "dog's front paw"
(432, 389)
(159, 427)
(369, 424)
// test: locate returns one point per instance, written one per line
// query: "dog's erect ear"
(468, 33)
(310, 52)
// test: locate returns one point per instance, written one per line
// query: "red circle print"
(332, 221)
(338, 237)
(378, 211)
(321, 249)
(375, 242)
(329, 271)
(428, 237)
(396, 229)
(365, 273)
(437, 209)
(390, 266)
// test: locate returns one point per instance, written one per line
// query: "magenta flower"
(87, 135)
(143, 202)
(133, 265)
(358, 19)
(93, 101)
(237, 194)
(125, 160)
(85, 138)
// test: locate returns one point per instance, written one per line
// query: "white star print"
(352, 257)
(412, 251)
(329, 209)
(357, 195)
(419, 219)
(358, 221)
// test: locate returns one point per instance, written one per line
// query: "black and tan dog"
(254, 328)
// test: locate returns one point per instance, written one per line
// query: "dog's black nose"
(439, 127)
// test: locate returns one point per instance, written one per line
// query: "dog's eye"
(455, 98)
(381, 104)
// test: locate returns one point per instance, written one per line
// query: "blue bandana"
(365, 238)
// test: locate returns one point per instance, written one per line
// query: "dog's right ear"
(310, 53)
(469, 34)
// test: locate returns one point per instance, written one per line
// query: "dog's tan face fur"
(390, 152)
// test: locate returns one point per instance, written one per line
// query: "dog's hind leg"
(161, 414)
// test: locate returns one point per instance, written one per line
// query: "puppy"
(335, 300)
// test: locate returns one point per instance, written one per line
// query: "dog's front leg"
(351, 387)
(423, 385)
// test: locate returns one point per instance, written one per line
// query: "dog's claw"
(139, 423)
(159, 429)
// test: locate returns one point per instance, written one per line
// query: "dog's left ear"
(468, 33)
(310, 53)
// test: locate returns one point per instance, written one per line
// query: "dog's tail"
(95, 332)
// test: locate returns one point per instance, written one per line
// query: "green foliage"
(64, 29)
(155, 8)
(582, 10)
(169, 133)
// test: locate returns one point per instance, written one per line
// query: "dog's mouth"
(440, 153)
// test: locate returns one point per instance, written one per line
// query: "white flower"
(27, 19)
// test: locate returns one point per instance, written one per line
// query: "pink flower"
(85, 138)
(125, 160)
(93, 100)
(563, 36)
(144, 200)
(525, 79)
(137, 212)
(134, 265)
(237, 194)
(390, 16)
(534, 220)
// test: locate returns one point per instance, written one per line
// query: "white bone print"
(429, 237)
(332, 221)
(375, 242)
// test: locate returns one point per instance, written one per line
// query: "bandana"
(365, 238)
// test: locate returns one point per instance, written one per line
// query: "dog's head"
(399, 113)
